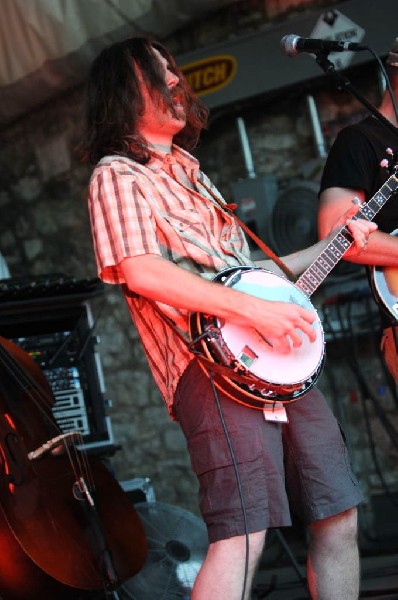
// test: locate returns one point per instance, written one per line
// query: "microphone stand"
(328, 67)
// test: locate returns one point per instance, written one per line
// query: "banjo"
(246, 368)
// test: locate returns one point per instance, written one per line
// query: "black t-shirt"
(354, 162)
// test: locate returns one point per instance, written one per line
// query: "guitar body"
(273, 376)
(384, 285)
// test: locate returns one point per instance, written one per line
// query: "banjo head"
(276, 375)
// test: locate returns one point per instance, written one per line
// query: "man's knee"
(342, 527)
(236, 546)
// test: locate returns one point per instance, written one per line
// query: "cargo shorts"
(261, 473)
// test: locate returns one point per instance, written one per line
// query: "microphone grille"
(288, 44)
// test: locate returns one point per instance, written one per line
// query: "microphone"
(293, 44)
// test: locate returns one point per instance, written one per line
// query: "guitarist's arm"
(301, 260)
(381, 249)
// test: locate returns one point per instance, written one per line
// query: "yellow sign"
(210, 74)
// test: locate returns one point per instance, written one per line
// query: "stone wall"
(44, 229)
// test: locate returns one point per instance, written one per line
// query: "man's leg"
(222, 574)
(333, 558)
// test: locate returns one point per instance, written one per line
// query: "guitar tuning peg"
(389, 151)
(384, 163)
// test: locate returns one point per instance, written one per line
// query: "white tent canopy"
(48, 45)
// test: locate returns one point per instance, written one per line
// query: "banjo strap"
(230, 209)
(262, 245)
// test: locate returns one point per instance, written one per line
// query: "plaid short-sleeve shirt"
(147, 209)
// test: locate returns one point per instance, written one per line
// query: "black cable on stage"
(238, 481)
(347, 329)
(355, 365)
(376, 340)
(343, 330)
(367, 394)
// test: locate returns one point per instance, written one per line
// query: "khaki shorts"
(389, 348)
(300, 467)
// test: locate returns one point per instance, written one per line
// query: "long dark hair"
(114, 101)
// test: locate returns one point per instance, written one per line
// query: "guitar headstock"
(391, 163)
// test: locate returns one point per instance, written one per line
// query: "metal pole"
(316, 127)
(247, 153)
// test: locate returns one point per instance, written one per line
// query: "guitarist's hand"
(360, 229)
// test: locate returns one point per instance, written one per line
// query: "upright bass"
(67, 528)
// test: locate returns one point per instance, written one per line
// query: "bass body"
(67, 528)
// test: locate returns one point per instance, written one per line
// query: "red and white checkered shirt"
(145, 209)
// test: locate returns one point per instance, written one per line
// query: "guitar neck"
(317, 272)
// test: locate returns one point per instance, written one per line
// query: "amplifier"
(64, 374)
(71, 365)
(57, 332)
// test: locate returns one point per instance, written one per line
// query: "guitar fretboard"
(312, 277)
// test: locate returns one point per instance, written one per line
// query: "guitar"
(246, 368)
(384, 285)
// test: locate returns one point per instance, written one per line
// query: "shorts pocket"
(213, 464)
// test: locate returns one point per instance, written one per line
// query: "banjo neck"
(311, 279)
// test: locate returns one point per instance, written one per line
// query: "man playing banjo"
(162, 231)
